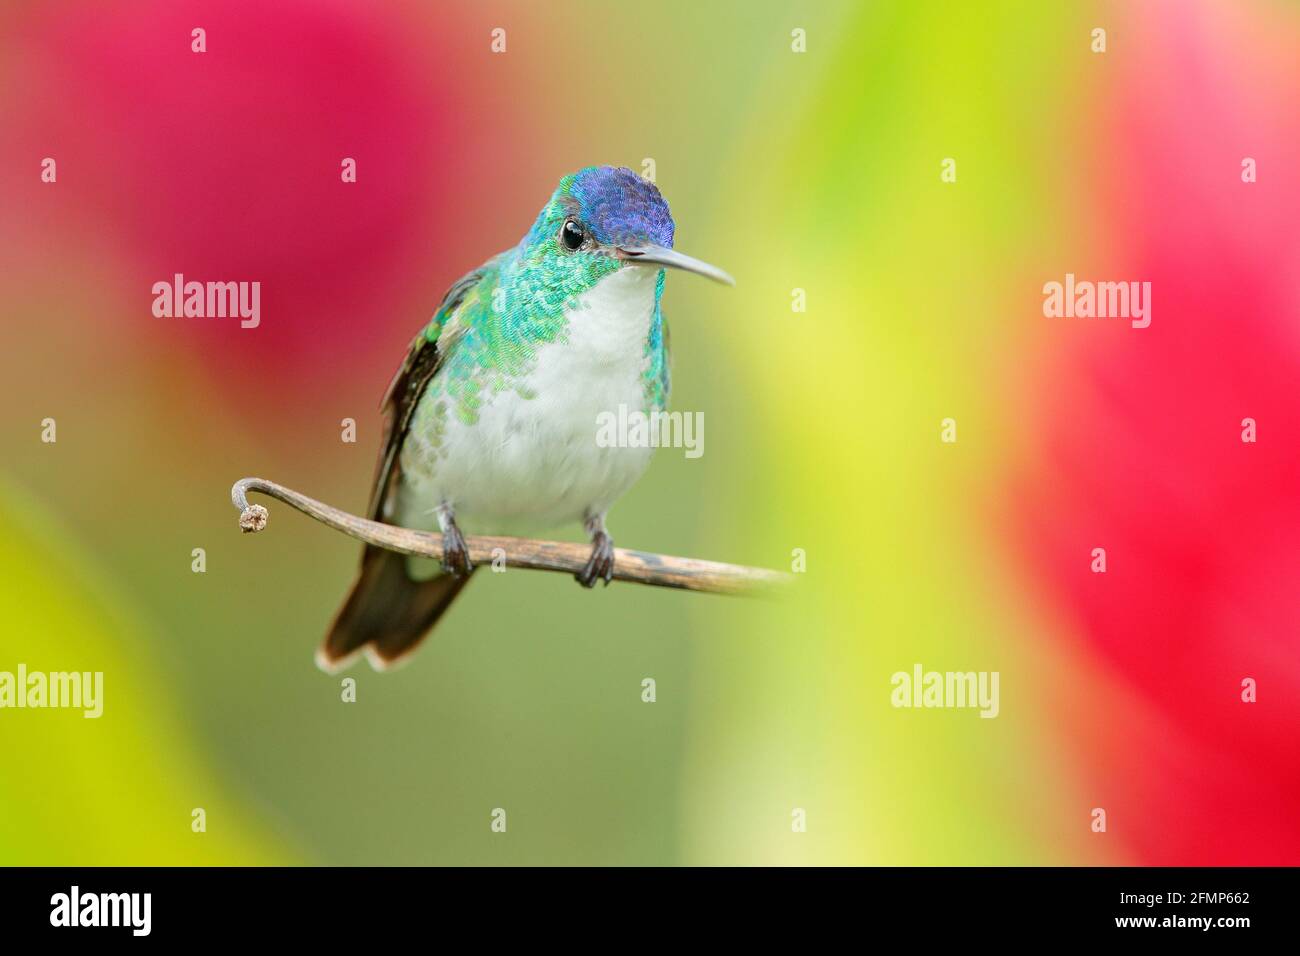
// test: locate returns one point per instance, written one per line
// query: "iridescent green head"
(602, 219)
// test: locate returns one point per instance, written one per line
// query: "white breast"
(533, 463)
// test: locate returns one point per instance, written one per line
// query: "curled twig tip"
(252, 518)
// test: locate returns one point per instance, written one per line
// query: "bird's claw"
(600, 566)
(455, 553)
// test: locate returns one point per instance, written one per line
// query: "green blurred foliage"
(120, 788)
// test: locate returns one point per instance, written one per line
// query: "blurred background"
(818, 171)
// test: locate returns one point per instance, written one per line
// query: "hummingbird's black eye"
(572, 235)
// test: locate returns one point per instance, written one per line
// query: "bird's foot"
(455, 553)
(600, 566)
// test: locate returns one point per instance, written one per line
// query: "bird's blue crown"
(619, 206)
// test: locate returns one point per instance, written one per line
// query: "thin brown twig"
(641, 567)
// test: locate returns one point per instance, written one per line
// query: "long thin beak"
(651, 254)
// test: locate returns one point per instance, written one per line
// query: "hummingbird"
(490, 422)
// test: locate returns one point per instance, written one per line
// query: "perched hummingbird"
(491, 421)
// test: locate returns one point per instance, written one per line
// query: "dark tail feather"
(387, 613)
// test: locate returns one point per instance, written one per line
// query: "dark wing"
(386, 611)
(423, 360)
